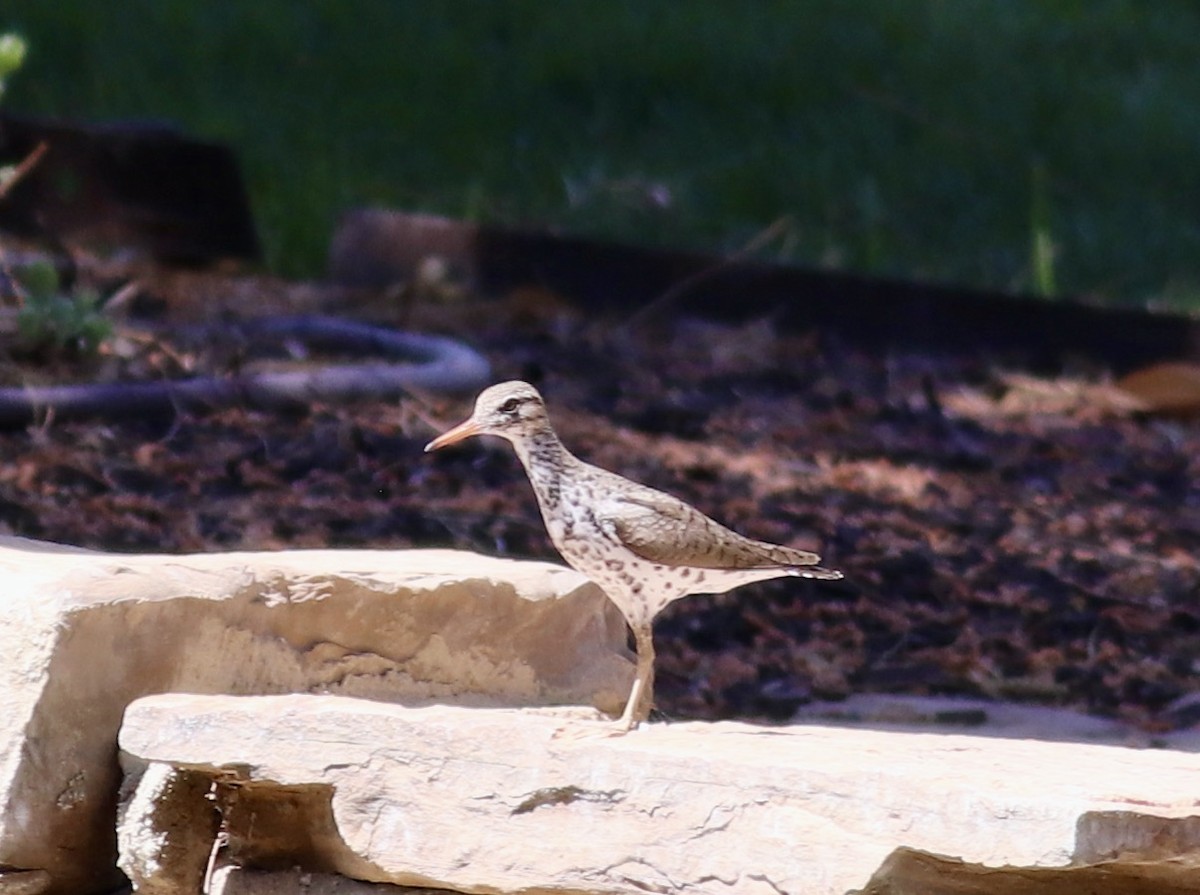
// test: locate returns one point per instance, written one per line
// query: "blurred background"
(1047, 147)
(1013, 494)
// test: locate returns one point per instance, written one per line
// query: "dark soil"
(1047, 552)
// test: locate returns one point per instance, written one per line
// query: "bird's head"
(511, 410)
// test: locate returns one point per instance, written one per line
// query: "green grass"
(1032, 146)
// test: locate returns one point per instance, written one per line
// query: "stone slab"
(490, 800)
(82, 634)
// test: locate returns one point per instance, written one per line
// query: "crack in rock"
(565, 795)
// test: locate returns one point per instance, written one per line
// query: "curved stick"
(424, 362)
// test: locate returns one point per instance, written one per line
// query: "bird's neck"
(546, 463)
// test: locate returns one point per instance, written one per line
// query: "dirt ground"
(1019, 537)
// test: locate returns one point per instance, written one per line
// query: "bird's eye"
(510, 405)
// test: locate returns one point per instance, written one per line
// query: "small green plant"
(57, 323)
(1041, 242)
(51, 321)
(12, 54)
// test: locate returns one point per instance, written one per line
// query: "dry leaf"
(1165, 388)
(1027, 395)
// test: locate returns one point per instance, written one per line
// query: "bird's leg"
(641, 697)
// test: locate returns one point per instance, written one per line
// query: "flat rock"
(83, 634)
(491, 800)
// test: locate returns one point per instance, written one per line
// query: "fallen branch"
(22, 168)
(412, 361)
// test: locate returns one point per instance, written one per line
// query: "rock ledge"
(488, 800)
(83, 634)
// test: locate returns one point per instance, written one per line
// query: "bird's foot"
(589, 731)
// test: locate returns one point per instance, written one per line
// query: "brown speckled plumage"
(645, 548)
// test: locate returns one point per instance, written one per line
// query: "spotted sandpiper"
(644, 548)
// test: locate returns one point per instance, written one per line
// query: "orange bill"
(458, 433)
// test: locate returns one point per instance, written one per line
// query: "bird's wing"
(661, 529)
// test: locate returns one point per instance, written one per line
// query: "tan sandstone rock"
(488, 800)
(82, 634)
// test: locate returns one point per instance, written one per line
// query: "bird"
(643, 547)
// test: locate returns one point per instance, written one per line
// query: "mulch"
(1018, 538)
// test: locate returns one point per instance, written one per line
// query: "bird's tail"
(816, 572)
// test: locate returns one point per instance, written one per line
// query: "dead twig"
(23, 168)
(663, 301)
